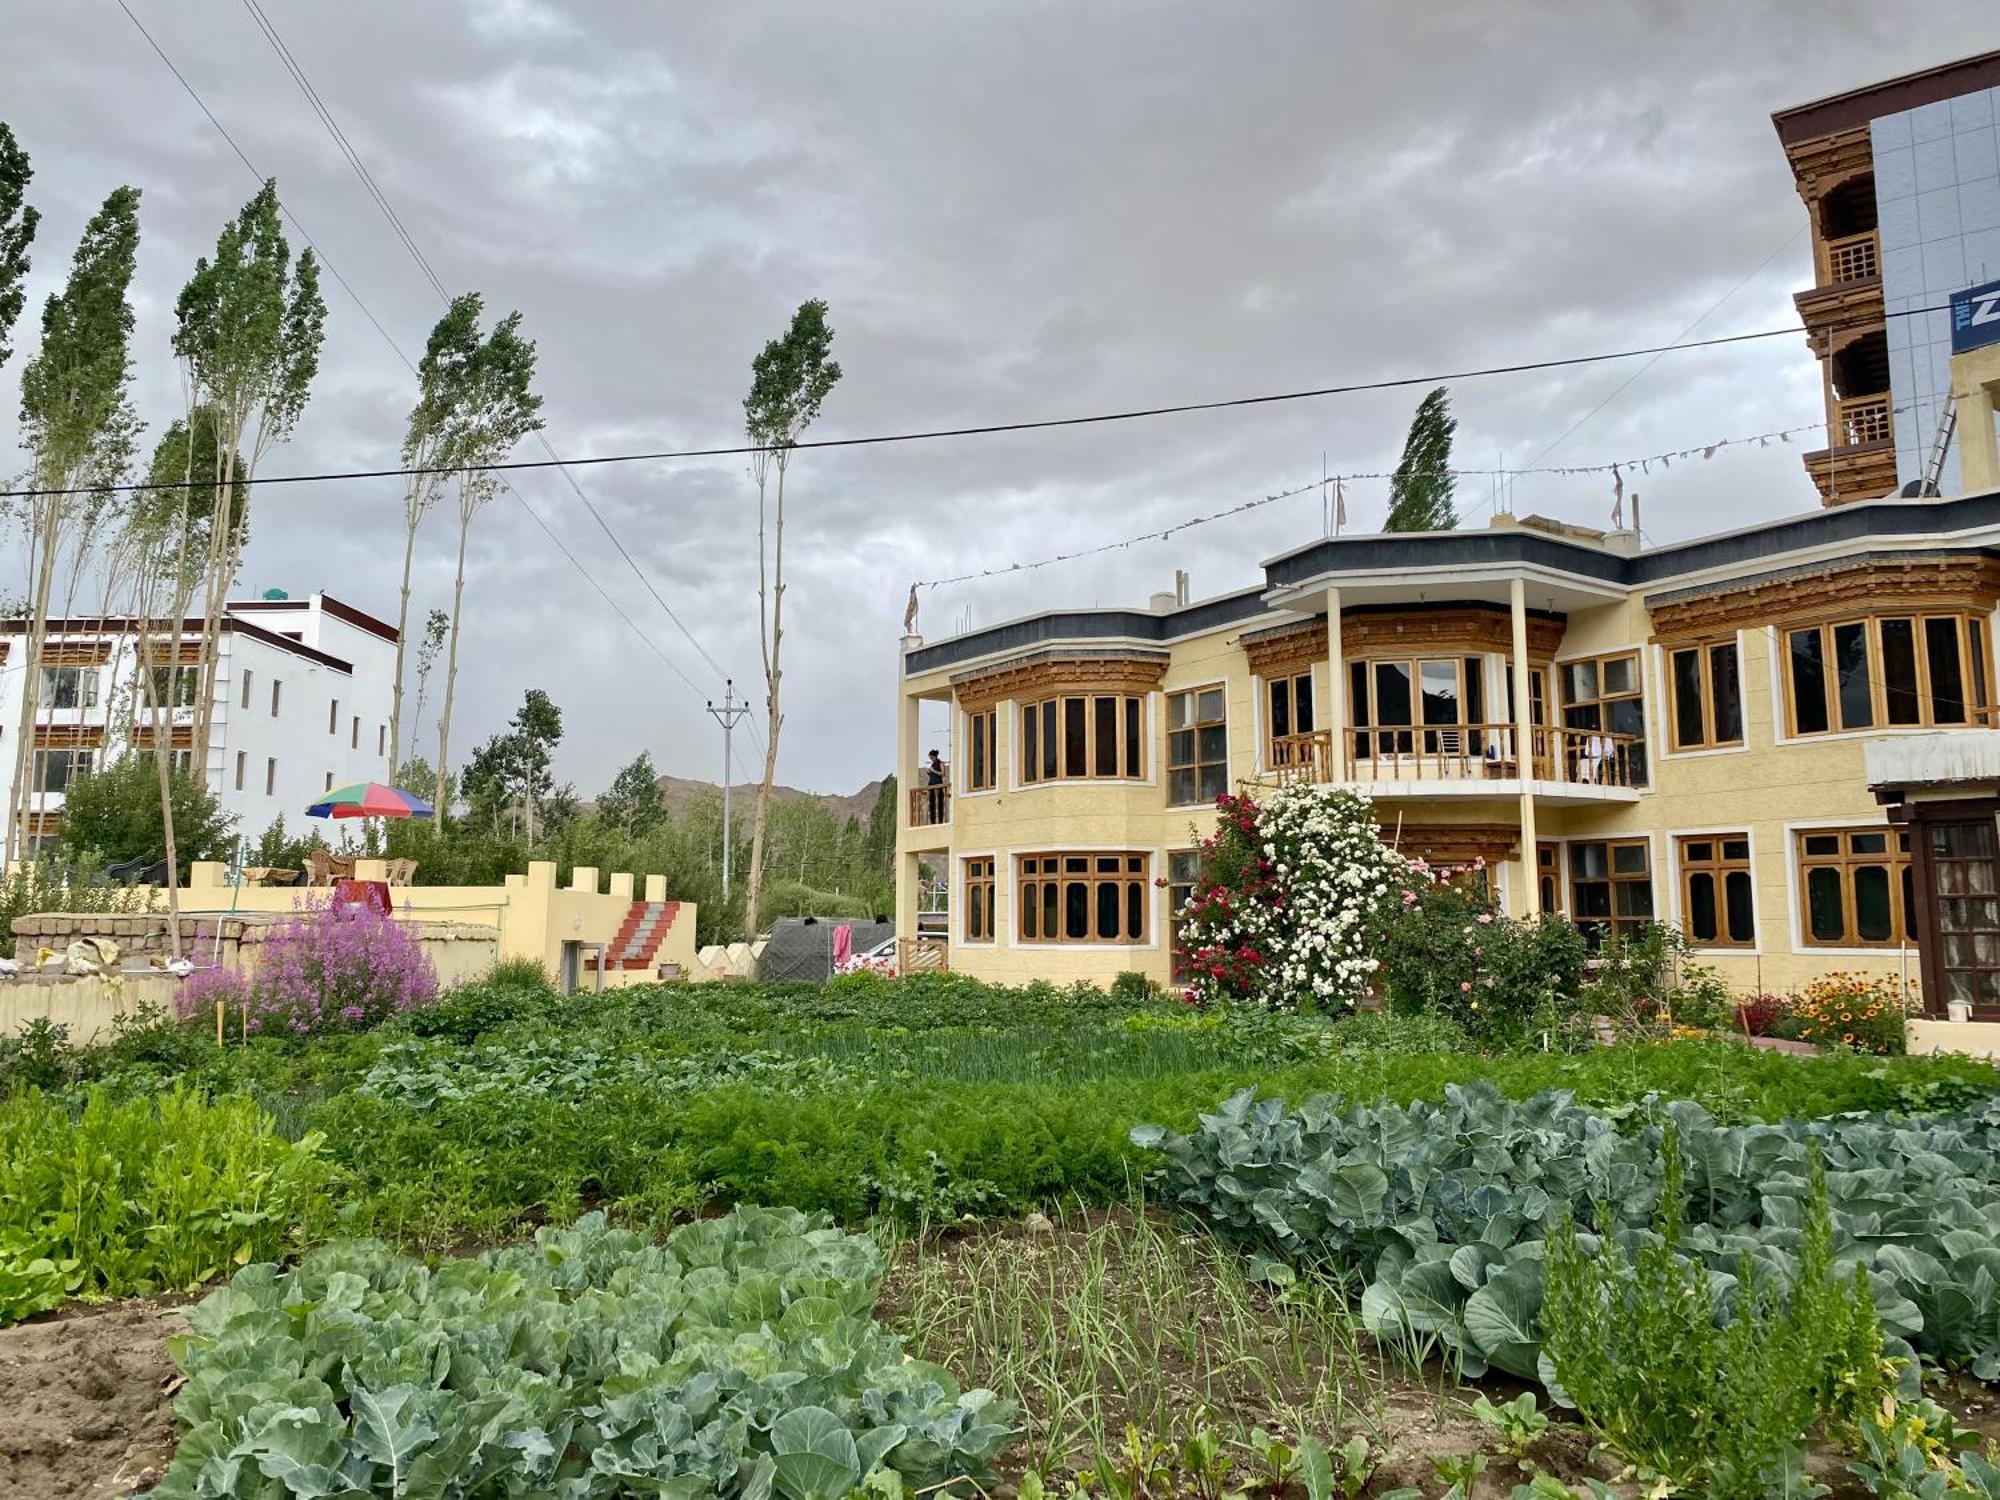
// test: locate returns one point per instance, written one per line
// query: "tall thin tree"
(1420, 490)
(500, 408)
(789, 380)
(249, 325)
(428, 446)
(78, 427)
(18, 220)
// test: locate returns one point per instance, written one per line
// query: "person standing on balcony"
(935, 778)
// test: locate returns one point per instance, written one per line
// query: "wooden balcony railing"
(929, 806)
(922, 955)
(1460, 752)
(1864, 419)
(1853, 257)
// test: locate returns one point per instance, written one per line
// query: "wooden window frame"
(1052, 715)
(982, 749)
(1975, 672)
(1846, 861)
(1602, 701)
(1042, 883)
(1290, 682)
(981, 887)
(1549, 868)
(78, 761)
(1704, 654)
(1196, 764)
(1717, 866)
(1612, 879)
(1368, 736)
(1178, 892)
(88, 684)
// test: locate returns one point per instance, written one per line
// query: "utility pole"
(726, 716)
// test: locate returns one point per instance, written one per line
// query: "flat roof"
(360, 619)
(1857, 106)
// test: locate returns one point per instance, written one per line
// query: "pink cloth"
(843, 944)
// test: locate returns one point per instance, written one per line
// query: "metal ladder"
(1940, 446)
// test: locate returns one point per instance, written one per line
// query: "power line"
(394, 347)
(987, 429)
(409, 242)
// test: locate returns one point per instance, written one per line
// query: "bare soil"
(86, 1403)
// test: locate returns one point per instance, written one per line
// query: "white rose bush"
(1290, 901)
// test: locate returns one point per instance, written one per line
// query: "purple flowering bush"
(331, 968)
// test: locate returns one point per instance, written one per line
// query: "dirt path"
(86, 1405)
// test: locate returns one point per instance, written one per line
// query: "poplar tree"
(430, 446)
(77, 427)
(18, 220)
(249, 325)
(1421, 488)
(498, 409)
(789, 381)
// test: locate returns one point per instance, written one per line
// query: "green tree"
(537, 731)
(489, 781)
(77, 427)
(498, 409)
(789, 381)
(248, 330)
(1420, 490)
(18, 220)
(435, 436)
(634, 803)
(114, 815)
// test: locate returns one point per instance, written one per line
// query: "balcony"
(1849, 290)
(1853, 257)
(1864, 420)
(930, 806)
(1467, 760)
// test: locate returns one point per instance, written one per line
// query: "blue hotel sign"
(1975, 317)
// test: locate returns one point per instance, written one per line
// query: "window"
(1610, 887)
(1856, 887)
(1890, 673)
(246, 687)
(271, 776)
(1548, 876)
(381, 739)
(333, 716)
(1718, 899)
(173, 687)
(1197, 746)
(1604, 695)
(329, 781)
(1288, 711)
(242, 765)
(1083, 898)
(979, 901)
(1183, 865)
(982, 743)
(54, 770)
(1707, 687)
(181, 762)
(1965, 902)
(1437, 697)
(354, 735)
(69, 687)
(1068, 738)
(276, 685)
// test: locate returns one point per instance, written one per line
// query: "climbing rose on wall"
(1289, 899)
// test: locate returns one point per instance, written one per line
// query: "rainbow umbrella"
(370, 799)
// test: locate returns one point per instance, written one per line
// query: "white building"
(302, 697)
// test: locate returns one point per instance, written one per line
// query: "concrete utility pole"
(726, 716)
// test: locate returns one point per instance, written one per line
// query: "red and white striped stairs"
(639, 936)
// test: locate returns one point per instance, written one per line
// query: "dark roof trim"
(1853, 107)
(1086, 625)
(346, 613)
(1060, 653)
(128, 625)
(1820, 528)
(1388, 551)
(1723, 586)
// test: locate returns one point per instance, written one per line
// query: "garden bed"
(89, 1403)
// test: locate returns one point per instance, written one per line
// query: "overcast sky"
(1014, 211)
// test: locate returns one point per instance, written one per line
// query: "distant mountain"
(680, 792)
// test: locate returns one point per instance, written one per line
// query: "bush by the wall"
(1447, 952)
(339, 967)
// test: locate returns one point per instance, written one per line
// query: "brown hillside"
(681, 791)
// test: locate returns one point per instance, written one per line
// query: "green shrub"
(521, 974)
(39, 1056)
(1712, 1389)
(469, 1011)
(147, 1195)
(1448, 952)
(1133, 988)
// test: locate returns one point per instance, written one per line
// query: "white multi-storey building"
(302, 696)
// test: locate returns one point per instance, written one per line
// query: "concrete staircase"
(639, 936)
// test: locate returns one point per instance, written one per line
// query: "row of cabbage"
(738, 1359)
(1440, 1210)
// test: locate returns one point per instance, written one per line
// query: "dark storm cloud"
(1015, 211)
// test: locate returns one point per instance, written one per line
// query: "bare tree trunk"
(47, 536)
(451, 666)
(753, 887)
(402, 628)
(162, 753)
(224, 548)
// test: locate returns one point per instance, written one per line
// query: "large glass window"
(1183, 866)
(1611, 887)
(69, 687)
(54, 770)
(1899, 671)
(1604, 707)
(979, 900)
(1083, 898)
(1718, 897)
(1431, 705)
(1856, 886)
(1197, 746)
(1096, 736)
(173, 687)
(981, 745)
(1288, 711)
(1708, 696)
